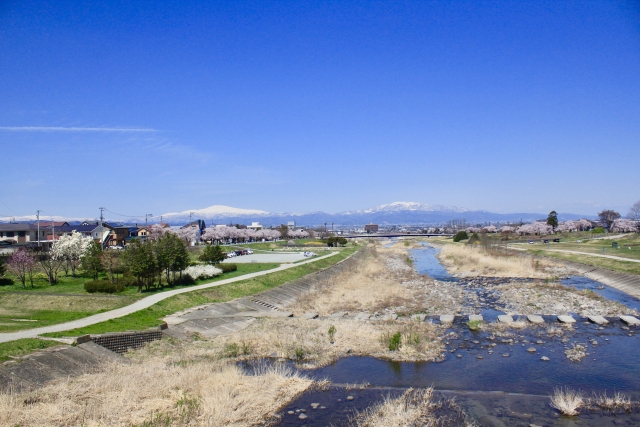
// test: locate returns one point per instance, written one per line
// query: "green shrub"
(332, 333)
(299, 353)
(232, 350)
(5, 281)
(473, 239)
(185, 280)
(105, 286)
(460, 235)
(395, 341)
(227, 268)
(598, 230)
(474, 325)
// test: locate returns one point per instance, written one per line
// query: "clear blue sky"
(301, 106)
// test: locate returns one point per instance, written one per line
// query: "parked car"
(231, 254)
(531, 242)
(308, 254)
(556, 240)
(239, 253)
(249, 251)
(546, 240)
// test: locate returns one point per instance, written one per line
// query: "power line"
(127, 216)
(6, 206)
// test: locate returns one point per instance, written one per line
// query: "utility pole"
(190, 213)
(101, 227)
(146, 217)
(38, 227)
(160, 219)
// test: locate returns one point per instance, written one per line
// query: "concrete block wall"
(125, 341)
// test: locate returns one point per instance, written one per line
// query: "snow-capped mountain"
(407, 206)
(387, 214)
(215, 211)
(34, 218)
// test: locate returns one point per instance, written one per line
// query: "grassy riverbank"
(611, 264)
(46, 305)
(152, 316)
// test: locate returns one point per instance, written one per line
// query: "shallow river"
(496, 383)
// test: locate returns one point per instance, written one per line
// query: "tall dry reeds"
(466, 261)
(367, 286)
(413, 408)
(567, 401)
(157, 393)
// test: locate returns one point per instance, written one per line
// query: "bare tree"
(634, 212)
(607, 217)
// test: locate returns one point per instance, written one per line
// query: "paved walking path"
(140, 304)
(619, 258)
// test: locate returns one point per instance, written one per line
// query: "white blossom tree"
(69, 249)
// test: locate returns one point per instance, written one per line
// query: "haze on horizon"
(324, 106)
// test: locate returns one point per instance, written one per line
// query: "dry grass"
(567, 401)
(308, 340)
(413, 408)
(365, 286)
(617, 402)
(157, 392)
(17, 304)
(467, 261)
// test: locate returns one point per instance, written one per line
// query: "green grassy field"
(48, 305)
(151, 316)
(611, 264)
(23, 346)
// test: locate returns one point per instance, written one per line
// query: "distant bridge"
(363, 236)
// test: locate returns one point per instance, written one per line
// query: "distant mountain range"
(405, 213)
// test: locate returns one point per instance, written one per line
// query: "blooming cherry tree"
(21, 264)
(624, 226)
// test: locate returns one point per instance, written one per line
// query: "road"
(140, 305)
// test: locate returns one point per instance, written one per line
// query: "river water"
(495, 383)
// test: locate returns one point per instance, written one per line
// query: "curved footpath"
(618, 258)
(141, 304)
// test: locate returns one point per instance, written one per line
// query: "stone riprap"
(475, 318)
(215, 319)
(36, 369)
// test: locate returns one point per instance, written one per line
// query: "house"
(110, 235)
(85, 230)
(255, 226)
(56, 224)
(371, 228)
(21, 233)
